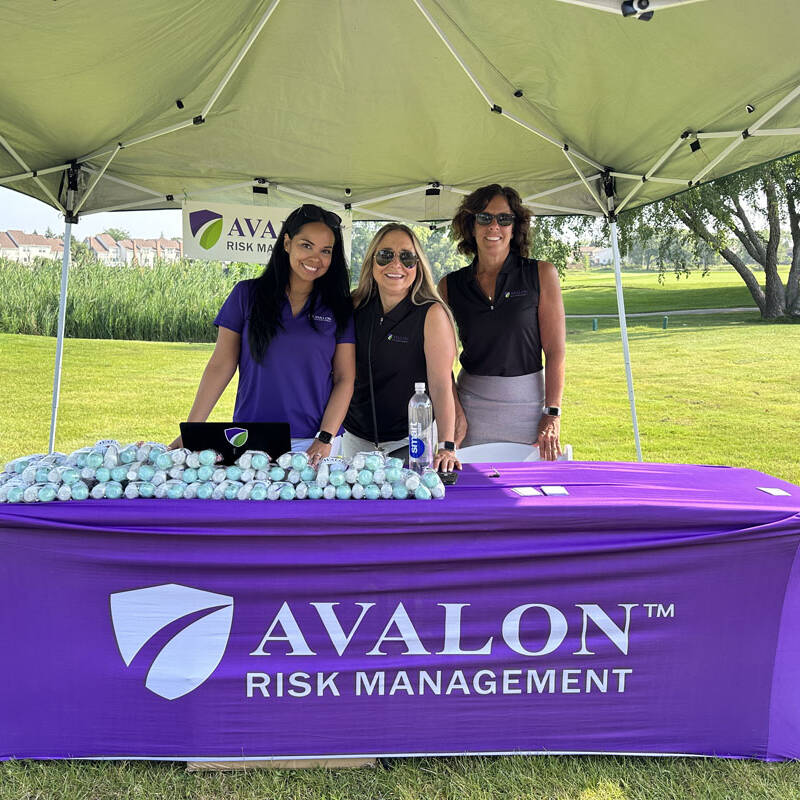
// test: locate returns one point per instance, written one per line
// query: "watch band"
(324, 437)
(447, 446)
(552, 411)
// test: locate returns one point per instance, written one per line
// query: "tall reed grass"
(166, 303)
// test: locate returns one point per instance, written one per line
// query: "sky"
(20, 212)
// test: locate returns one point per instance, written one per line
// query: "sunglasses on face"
(504, 220)
(316, 214)
(408, 258)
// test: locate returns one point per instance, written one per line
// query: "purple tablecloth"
(653, 609)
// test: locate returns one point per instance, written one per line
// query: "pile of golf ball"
(111, 470)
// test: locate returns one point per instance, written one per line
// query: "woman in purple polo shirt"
(290, 333)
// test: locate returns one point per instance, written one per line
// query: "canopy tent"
(389, 110)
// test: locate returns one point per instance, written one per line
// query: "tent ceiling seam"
(496, 107)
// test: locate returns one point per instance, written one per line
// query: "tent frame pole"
(13, 153)
(62, 315)
(623, 325)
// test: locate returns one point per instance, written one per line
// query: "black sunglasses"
(316, 214)
(408, 258)
(504, 220)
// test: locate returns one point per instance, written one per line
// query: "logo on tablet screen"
(182, 631)
(236, 436)
(208, 224)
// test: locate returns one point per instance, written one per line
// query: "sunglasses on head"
(408, 258)
(316, 214)
(504, 220)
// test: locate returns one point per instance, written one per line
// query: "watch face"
(324, 437)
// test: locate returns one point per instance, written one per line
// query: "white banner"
(224, 232)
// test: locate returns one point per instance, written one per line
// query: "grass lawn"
(715, 389)
(593, 292)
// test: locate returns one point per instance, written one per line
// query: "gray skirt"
(501, 409)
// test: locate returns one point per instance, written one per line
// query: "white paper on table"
(773, 490)
(525, 491)
(554, 490)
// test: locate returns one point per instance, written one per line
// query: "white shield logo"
(192, 654)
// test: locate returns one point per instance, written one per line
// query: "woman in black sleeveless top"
(509, 313)
(404, 335)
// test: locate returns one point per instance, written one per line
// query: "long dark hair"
(464, 220)
(331, 289)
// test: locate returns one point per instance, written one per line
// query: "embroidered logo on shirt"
(519, 293)
(393, 337)
(321, 318)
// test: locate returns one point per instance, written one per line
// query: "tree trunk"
(793, 281)
(775, 296)
(745, 273)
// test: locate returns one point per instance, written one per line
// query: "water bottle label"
(416, 447)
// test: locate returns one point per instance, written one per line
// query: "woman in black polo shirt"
(509, 313)
(404, 335)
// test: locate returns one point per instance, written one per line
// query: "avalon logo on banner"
(236, 436)
(224, 232)
(187, 628)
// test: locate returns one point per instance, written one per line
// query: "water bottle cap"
(419, 387)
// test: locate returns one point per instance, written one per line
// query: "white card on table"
(554, 490)
(525, 491)
(773, 490)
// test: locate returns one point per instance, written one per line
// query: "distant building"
(598, 256)
(25, 247)
(142, 252)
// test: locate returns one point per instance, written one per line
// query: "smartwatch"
(451, 446)
(324, 437)
(552, 411)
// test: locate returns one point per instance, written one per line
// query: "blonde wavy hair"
(423, 289)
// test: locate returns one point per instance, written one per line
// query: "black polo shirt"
(394, 343)
(499, 336)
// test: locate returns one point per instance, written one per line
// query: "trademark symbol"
(660, 611)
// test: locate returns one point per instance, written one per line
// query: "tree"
(117, 234)
(726, 213)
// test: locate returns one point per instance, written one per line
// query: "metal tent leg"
(623, 328)
(62, 314)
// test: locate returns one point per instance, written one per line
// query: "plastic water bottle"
(420, 430)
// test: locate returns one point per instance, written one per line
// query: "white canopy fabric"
(388, 109)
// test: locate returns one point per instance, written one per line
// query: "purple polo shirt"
(294, 381)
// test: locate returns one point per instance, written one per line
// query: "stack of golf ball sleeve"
(109, 470)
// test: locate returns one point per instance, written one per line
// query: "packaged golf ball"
(397, 463)
(334, 463)
(301, 491)
(374, 461)
(438, 491)
(47, 493)
(163, 460)
(323, 473)
(176, 472)
(175, 489)
(336, 478)
(113, 490)
(288, 460)
(190, 475)
(393, 474)
(94, 459)
(219, 475)
(190, 492)
(262, 475)
(422, 492)
(42, 475)
(399, 490)
(98, 491)
(207, 457)
(329, 492)
(315, 491)
(179, 455)
(111, 456)
(357, 492)
(372, 492)
(351, 475)
(358, 461)
(132, 491)
(277, 474)
(233, 473)
(160, 491)
(28, 475)
(155, 451)
(11, 492)
(308, 474)
(343, 492)
(258, 490)
(386, 491)
(430, 478)
(120, 473)
(365, 477)
(205, 490)
(146, 489)
(259, 460)
(293, 476)
(288, 492)
(193, 459)
(128, 454)
(158, 477)
(102, 474)
(411, 479)
(77, 458)
(204, 473)
(248, 475)
(274, 489)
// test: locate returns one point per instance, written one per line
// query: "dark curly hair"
(464, 220)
